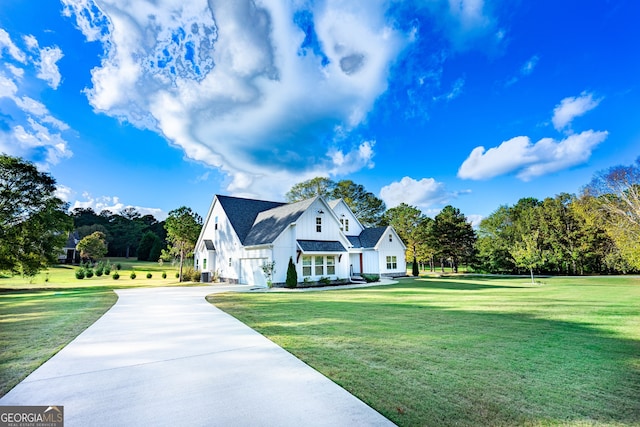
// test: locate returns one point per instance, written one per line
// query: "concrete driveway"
(165, 356)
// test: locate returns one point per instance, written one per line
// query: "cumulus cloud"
(110, 203)
(528, 159)
(423, 193)
(243, 86)
(526, 69)
(6, 44)
(572, 107)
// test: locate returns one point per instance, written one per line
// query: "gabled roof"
(269, 224)
(242, 213)
(369, 237)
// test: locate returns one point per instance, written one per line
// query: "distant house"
(324, 239)
(69, 254)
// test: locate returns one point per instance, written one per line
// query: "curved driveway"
(164, 356)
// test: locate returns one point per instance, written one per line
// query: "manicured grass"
(63, 276)
(35, 325)
(468, 351)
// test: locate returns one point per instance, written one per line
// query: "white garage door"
(251, 272)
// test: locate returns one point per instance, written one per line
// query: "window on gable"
(229, 262)
(341, 224)
(318, 224)
(392, 262)
(390, 238)
(215, 223)
(204, 264)
(346, 224)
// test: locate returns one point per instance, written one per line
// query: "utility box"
(205, 277)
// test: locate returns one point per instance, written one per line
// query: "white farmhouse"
(324, 239)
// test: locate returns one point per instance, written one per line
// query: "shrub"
(89, 273)
(132, 275)
(415, 272)
(99, 269)
(369, 278)
(196, 276)
(164, 274)
(118, 266)
(149, 275)
(177, 274)
(292, 275)
(324, 280)
(116, 276)
(80, 273)
(107, 268)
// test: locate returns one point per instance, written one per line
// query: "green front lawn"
(468, 351)
(35, 325)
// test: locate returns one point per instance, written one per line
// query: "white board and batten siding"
(390, 245)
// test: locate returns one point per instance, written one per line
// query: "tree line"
(597, 231)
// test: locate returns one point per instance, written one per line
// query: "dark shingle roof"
(242, 213)
(269, 224)
(369, 237)
(320, 246)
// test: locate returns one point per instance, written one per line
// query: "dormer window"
(319, 224)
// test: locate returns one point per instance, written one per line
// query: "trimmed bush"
(149, 276)
(177, 274)
(292, 275)
(107, 268)
(414, 269)
(369, 278)
(89, 273)
(324, 280)
(80, 273)
(118, 266)
(133, 275)
(164, 274)
(116, 276)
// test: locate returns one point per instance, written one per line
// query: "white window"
(331, 265)
(319, 264)
(306, 266)
(392, 263)
(318, 224)
(344, 224)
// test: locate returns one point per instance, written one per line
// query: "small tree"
(528, 254)
(292, 274)
(183, 227)
(269, 268)
(93, 246)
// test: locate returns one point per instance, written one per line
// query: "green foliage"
(132, 275)
(370, 278)
(92, 246)
(147, 243)
(415, 272)
(89, 273)
(183, 227)
(33, 222)
(80, 273)
(164, 274)
(269, 269)
(116, 275)
(99, 269)
(156, 251)
(292, 275)
(324, 280)
(107, 268)
(149, 275)
(365, 205)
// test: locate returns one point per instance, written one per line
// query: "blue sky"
(465, 102)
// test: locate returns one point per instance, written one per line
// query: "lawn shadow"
(425, 365)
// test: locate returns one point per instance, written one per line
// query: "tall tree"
(409, 223)
(183, 228)
(33, 221)
(365, 205)
(617, 193)
(453, 235)
(318, 186)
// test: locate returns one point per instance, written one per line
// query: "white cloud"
(112, 204)
(234, 84)
(572, 107)
(423, 193)
(46, 63)
(530, 65)
(10, 47)
(530, 160)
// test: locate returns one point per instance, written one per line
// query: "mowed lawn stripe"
(472, 351)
